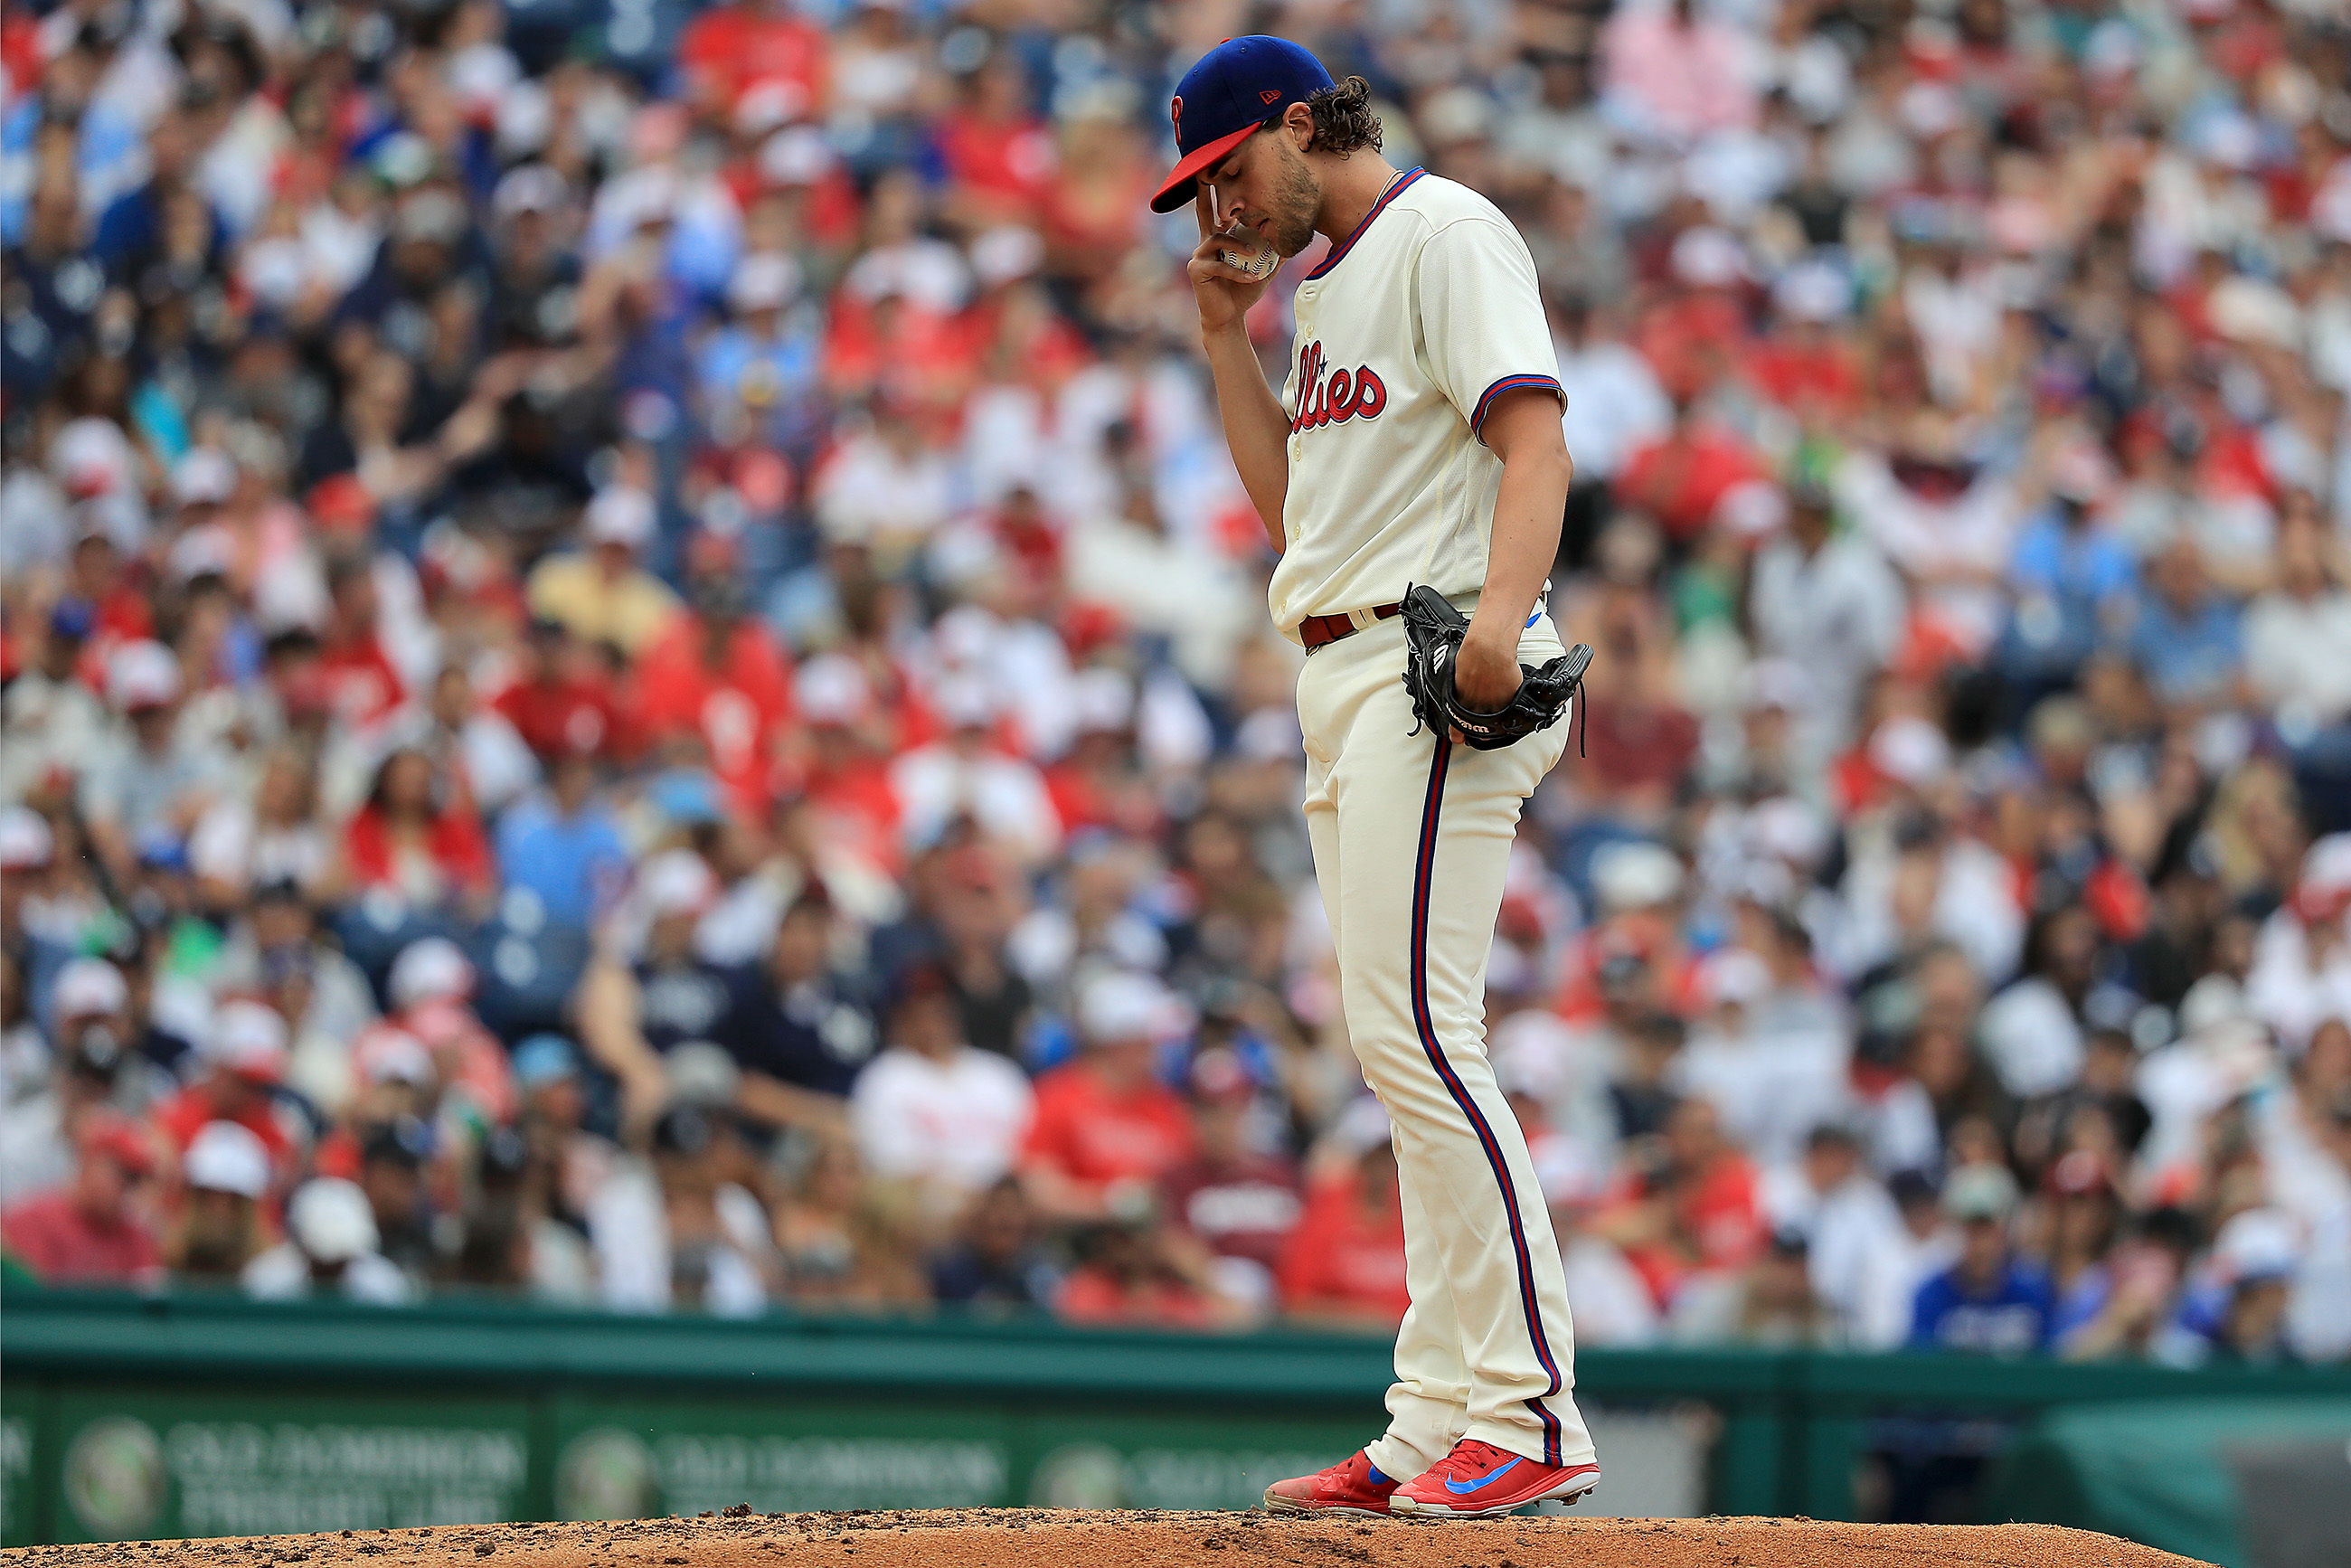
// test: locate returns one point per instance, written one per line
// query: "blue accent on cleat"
(1458, 1488)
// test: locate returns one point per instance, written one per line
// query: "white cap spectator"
(2254, 312)
(1629, 876)
(1733, 976)
(393, 1056)
(531, 188)
(331, 1220)
(207, 551)
(1788, 829)
(799, 155)
(26, 841)
(1980, 1192)
(1708, 258)
(89, 987)
(965, 702)
(1003, 255)
(143, 676)
(1752, 509)
(227, 1157)
(2257, 1244)
(1812, 291)
(1121, 1005)
(91, 457)
(247, 1039)
(432, 970)
(832, 689)
(205, 477)
(1912, 751)
(620, 514)
(1104, 700)
(1362, 1127)
(676, 882)
(701, 1073)
(763, 280)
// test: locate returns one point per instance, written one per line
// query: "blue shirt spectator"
(2069, 577)
(564, 846)
(2008, 1315)
(1990, 1301)
(2187, 640)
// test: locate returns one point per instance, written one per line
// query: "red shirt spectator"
(407, 840)
(723, 679)
(1640, 745)
(246, 1057)
(1346, 1260)
(1238, 1202)
(758, 46)
(565, 705)
(1682, 477)
(1807, 371)
(363, 685)
(1000, 157)
(88, 1231)
(1126, 1279)
(1098, 1127)
(1103, 1123)
(1702, 1210)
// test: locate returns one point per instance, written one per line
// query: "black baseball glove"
(1433, 631)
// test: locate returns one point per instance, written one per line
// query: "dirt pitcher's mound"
(1033, 1538)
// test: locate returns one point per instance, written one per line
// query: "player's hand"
(1224, 294)
(1486, 673)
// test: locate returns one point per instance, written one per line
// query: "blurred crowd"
(635, 674)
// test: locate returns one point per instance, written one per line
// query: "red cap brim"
(1179, 185)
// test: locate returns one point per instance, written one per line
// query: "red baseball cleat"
(1354, 1486)
(1477, 1480)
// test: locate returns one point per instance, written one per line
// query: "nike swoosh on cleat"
(1458, 1488)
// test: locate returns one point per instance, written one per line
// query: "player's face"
(1268, 189)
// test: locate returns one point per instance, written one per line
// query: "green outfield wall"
(123, 1416)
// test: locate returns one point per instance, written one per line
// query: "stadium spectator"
(931, 1109)
(1236, 1200)
(795, 1027)
(94, 1231)
(219, 1228)
(995, 1262)
(1344, 1262)
(329, 1248)
(1105, 1130)
(243, 1060)
(89, 1065)
(1991, 1301)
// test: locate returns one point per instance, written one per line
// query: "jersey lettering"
(1343, 394)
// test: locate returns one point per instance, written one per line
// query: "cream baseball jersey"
(1407, 331)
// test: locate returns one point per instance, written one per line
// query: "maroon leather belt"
(1317, 630)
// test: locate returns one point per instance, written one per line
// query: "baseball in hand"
(1259, 263)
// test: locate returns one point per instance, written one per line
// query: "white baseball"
(1258, 264)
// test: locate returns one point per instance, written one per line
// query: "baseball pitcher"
(1413, 477)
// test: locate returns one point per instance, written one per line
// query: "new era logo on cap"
(1236, 86)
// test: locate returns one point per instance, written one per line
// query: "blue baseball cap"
(73, 620)
(1238, 86)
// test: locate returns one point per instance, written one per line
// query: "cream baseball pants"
(1411, 834)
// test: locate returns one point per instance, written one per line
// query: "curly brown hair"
(1343, 121)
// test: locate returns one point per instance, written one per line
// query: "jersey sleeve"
(1482, 317)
